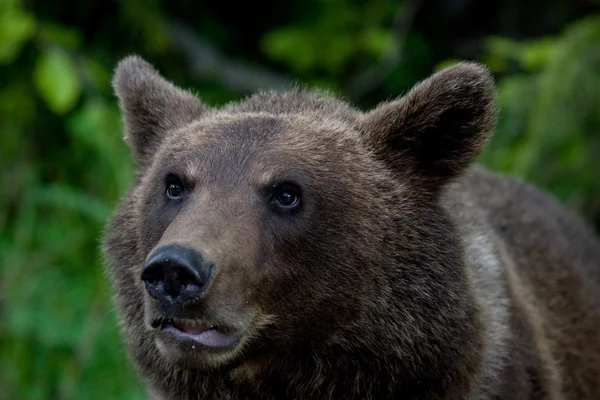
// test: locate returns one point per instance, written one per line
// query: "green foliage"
(333, 38)
(64, 165)
(56, 79)
(16, 27)
(550, 101)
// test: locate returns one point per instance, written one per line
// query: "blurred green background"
(63, 164)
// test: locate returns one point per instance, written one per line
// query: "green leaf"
(6, 5)
(292, 46)
(64, 36)
(378, 41)
(536, 54)
(503, 47)
(57, 81)
(68, 198)
(16, 27)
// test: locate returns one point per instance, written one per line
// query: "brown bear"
(290, 246)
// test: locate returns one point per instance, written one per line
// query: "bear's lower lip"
(200, 332)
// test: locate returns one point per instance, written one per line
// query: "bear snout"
(176, 274)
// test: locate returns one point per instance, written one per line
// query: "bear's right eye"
(174, 188)
(286, 196)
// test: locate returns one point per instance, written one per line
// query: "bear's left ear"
(437, 130)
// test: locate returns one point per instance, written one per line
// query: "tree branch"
(205, 62)
(373, 77)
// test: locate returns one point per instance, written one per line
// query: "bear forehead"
(251, 132)
(264, 145)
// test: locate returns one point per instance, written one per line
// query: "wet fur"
(417, 276)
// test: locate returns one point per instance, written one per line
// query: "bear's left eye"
(175, 191)
(174, 188)
(286, 195)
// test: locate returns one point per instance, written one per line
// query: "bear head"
(291, 225)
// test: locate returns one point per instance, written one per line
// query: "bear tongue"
(192, 330)
(206, 335)
(214, 338)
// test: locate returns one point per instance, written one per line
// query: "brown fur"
(404, 274)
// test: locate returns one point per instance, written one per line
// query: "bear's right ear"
(151, 106)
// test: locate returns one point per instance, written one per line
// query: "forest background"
(64, 165)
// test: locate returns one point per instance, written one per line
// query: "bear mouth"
(196, 331)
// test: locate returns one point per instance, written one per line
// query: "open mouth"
(196, 331)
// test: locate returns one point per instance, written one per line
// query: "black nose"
(176, 273)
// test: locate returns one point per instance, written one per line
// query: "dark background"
(63, 164)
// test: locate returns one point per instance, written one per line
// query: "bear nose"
(176, 273)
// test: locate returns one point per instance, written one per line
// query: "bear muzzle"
(177, 278)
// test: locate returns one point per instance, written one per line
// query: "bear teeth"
(191, 323)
